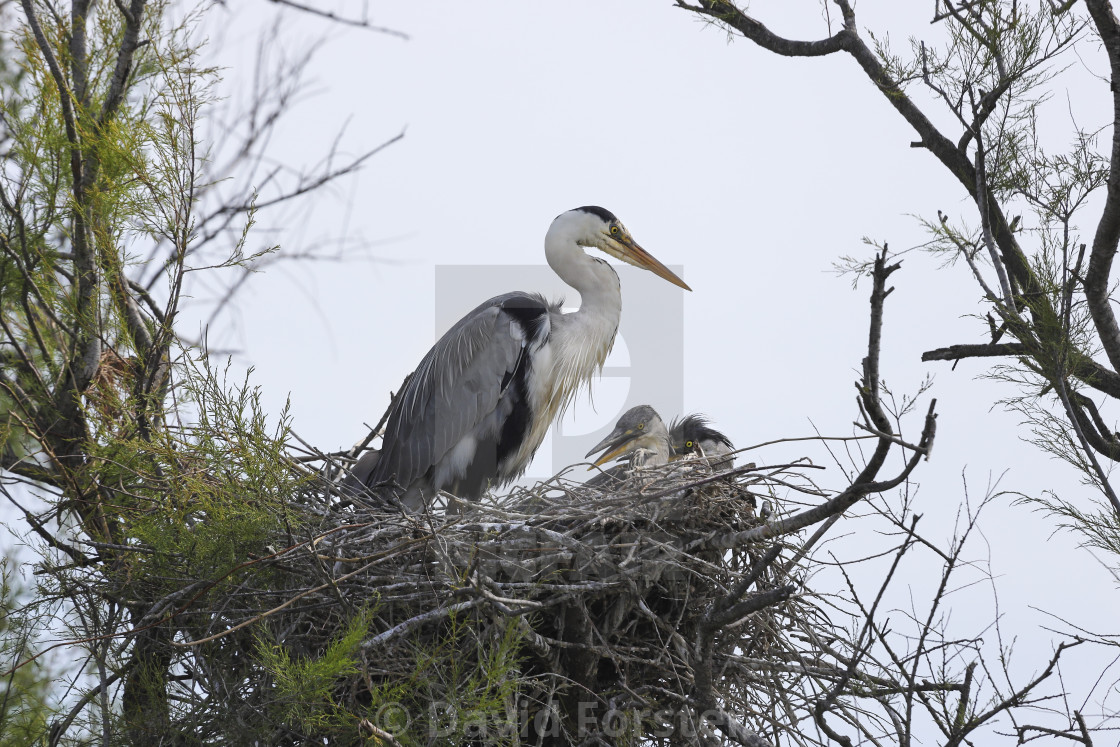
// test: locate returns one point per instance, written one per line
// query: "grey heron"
(640, 434)
(353, 483)
(481, 401)
(693, 434)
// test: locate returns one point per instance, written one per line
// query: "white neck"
(596, 282)
(586, 335)
(580, 341)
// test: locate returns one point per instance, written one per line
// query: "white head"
(597, 228)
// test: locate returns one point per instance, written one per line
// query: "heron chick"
(694, 435)
(481, 401)
(640, 429)
(639, 434)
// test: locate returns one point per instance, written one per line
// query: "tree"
(974, 86)
(111, 204)
(1049, 320)
(25, 692)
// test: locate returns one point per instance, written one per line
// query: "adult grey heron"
(479, 404)
(353, 483)
(640, 434)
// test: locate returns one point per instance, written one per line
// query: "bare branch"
(362, 23)
(1096, 281)
(727, 13)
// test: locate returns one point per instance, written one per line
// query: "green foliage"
(461, 686)
(133, 178)
(24, 692)
(169, 494)
(204, 497)
(305, 685)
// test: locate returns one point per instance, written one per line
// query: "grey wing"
(457, 388)
(355, 481)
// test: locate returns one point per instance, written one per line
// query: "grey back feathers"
(456, 419)
(353, 484)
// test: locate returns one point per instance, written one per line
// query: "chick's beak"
(628, 250)
(615, 443)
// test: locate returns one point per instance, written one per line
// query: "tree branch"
(1096, 281)
(958, 352)
(865, 483)
(362, 23)
(129, 44)
(726, 13)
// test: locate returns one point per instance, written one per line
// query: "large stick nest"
(604, 595)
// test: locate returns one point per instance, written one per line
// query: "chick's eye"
(641, 425)
(688, 444)
(614, 230)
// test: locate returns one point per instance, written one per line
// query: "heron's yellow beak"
(617, 443)
(610, 455)
(626, 249)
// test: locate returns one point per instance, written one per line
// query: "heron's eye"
(641, 425)
(688, 444)
(614, 230)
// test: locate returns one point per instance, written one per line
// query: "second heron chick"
(694, 435)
